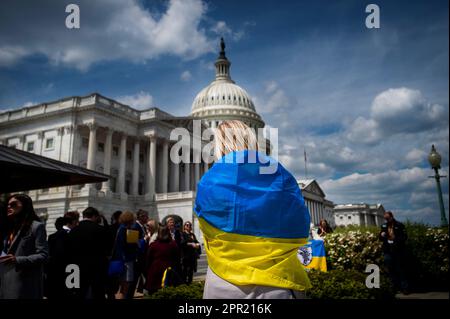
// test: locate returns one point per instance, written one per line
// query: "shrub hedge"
(352, 248)
(346, 284)
(335, 284)
(349, 250)
(428, 257)
(192, 291)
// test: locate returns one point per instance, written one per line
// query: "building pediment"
(311, 186)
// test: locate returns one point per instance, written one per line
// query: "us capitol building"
(131, 146)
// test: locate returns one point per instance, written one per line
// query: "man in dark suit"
(58, 258)
(141, 226)
(88, 244)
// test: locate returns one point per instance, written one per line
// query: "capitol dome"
(224, 100)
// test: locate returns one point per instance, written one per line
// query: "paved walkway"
(426, 295)
(202, 267)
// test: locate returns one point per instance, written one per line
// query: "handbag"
(170, 278)
(132, 236)
(116, 267)
(142, 245)
(199, 251)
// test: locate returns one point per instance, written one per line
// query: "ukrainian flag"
(253, 223)
(318, 260)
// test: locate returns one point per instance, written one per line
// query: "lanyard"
(8, 241)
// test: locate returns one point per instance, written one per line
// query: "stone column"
(107, 159)
(92, 149)
(60, 134)
(196, 168)
(41, 136)
(135, 177)
(68, 131)
(165, 167)
(205, 167)
(314, 212)
(151, 168)
(187, 177)
(122, 163)
(317, 213)
(175, 180)
(23, 143)
(76, 145)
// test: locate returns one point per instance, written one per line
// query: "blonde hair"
(126, 218)
(234, 135)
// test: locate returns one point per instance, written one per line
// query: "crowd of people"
(252, 225)
(133, 253)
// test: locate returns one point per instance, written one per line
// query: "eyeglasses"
(188, 225)
(14, 204)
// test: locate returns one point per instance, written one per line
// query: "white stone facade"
(319, 207)
(103, 135)
(358, 214)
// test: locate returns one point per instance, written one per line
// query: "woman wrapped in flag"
(253, 218)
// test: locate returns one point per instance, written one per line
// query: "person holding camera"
(393, 235)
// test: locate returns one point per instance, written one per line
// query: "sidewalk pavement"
(426, 295)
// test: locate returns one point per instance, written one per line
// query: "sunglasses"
(188, 225)
(13, 204)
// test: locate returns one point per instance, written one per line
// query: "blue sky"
(365, 104)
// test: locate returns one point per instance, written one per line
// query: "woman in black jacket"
(190, 252)
(24, 250)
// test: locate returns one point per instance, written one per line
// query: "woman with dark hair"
(190, 252)
(24, 250)
(324, 228)
(162, 255)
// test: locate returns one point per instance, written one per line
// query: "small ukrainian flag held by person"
(312, 255)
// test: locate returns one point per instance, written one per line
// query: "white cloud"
(222, 29)
(408, 192)
(139, 101)
(416, 156)
(11, 54)
(185, 76)
(427, 215)
(110, 30)
(405, 110)
(364, 131)
(271, 86)
(29, 103)
(273, 100)
(397, 111)
(292, 158)
(421, 198)
(384, 182)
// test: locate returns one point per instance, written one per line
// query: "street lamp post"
(435, 160)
